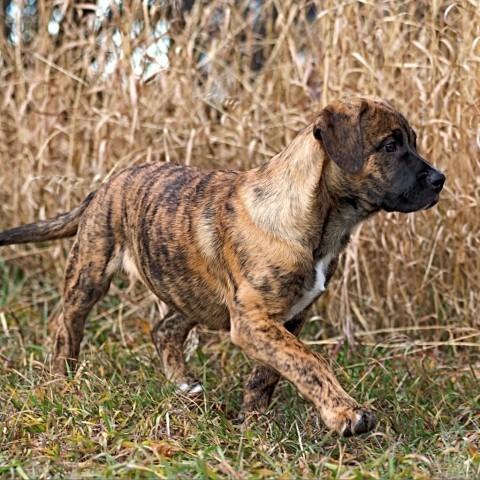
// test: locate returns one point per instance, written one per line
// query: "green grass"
(118, 418)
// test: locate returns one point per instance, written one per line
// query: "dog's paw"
(246, 420)
(360, 421)
(190, 389)
(238, 421)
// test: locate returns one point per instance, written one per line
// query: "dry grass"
(65, 128)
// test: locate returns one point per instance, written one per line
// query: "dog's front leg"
(263, 380)
(264, 338)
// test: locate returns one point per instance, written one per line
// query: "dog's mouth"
(432, 204)
(404, 204)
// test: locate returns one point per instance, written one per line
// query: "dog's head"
(373, 150)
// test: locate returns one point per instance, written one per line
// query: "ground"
(119, 418)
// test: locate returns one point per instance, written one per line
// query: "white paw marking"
(185, 388)
(196, 389)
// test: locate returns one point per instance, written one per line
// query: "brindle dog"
(248, 252)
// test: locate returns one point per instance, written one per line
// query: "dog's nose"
(436, 180)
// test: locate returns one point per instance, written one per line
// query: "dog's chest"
(311, 294)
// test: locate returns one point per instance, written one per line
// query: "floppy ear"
(338, 128)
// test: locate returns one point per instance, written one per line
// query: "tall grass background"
(66, 126)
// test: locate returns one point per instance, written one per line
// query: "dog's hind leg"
(86, 281)
(169, 334)
(263, 380)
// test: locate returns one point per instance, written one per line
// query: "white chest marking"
(308, 296)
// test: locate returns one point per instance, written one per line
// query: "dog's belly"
(202, 307)
(211, 315)
(181, 290)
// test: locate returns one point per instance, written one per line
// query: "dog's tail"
(63, 226)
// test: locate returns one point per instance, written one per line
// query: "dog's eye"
(390, 147)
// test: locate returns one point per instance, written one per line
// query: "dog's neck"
(291, 198)
(280, 195)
